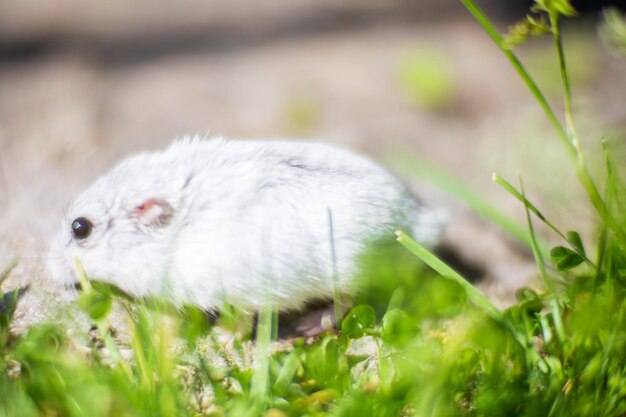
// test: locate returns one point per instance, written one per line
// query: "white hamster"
(214, 221)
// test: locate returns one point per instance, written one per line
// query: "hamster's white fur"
(239, 222)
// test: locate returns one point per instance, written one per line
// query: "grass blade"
(419, 168)
(568, 138)
(337, 305)
(6, 271)
(528, 207)
(103, 325)
(480, 16)
(474, 295)
(555, 310)
(571, 239)
(445, 271)
(571, 145)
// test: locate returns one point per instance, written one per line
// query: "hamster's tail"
(430, 226)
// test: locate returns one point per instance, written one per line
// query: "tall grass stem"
(337, 304)
(569, 140)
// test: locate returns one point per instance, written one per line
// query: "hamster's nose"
(60, 271)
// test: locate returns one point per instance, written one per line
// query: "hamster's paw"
(317, 321)
(321, 319)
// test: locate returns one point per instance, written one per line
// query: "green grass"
(437, 347)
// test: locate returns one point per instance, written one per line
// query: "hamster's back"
(262, 213)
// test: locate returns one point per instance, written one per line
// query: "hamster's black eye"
(81, 228)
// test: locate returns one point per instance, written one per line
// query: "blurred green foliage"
(613, 31)
(302, 113)
(427, 78)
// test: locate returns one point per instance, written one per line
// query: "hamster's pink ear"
(154, 212)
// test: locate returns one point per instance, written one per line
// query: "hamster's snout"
(60, 270)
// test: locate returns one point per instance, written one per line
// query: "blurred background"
(411, 83)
